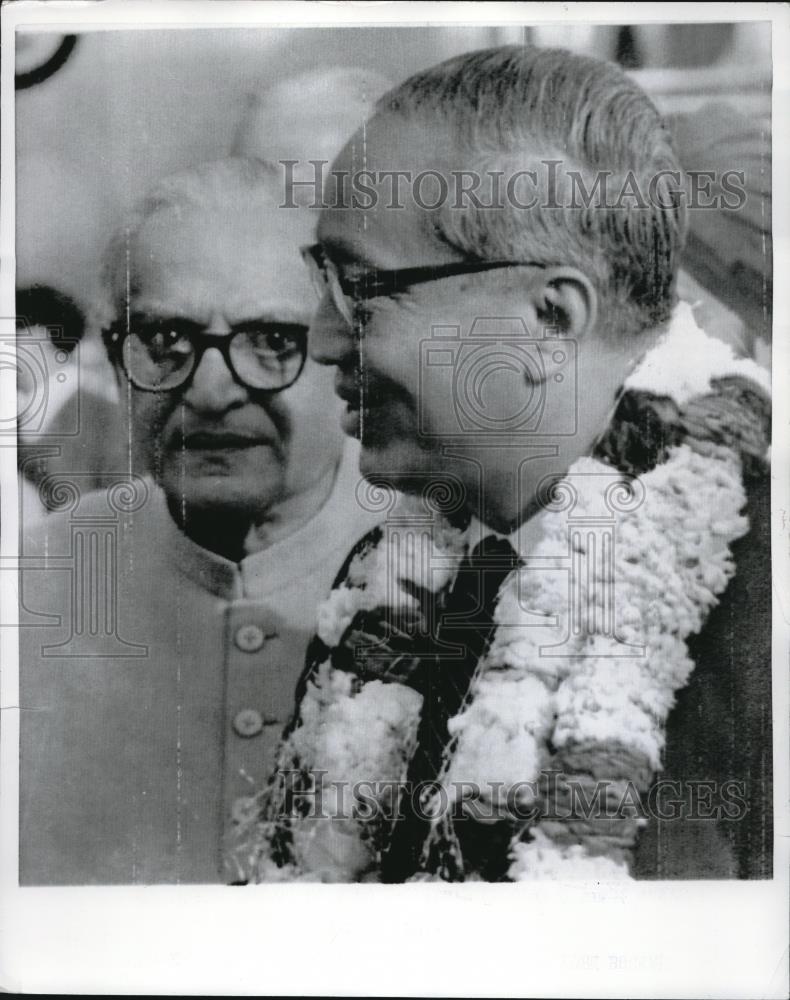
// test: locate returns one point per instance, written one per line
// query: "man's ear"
(564, 299)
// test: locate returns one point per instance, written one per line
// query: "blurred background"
(127, 107)
(102, 115)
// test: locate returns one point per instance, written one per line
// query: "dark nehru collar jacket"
(711, 808)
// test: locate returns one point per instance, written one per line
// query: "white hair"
(506, 106)
(216, 186)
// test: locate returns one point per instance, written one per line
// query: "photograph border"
(542, 939)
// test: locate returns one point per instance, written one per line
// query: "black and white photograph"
(387, 485)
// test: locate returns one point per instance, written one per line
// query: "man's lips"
(224, 440)
(368, 399)
(350, 392)
(370, 406)
(359, 395)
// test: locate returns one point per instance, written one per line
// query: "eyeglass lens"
(267, 356)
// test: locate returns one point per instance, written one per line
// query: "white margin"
(639, 939)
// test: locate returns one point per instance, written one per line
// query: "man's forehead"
(245, 225)
(242, 264)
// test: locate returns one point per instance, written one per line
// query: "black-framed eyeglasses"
(348, 289)
(159, 355)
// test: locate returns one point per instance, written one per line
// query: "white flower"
(541, 859)
(336, 613)
(501, 735)
(331, 850)
(687, 360)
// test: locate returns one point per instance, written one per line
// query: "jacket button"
(244, 809)
(248, 722)
(249, 638)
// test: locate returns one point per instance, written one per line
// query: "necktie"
(462, 638)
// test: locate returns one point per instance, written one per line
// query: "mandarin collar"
(279, 564)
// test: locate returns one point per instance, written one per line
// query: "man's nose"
(213, 387)
(331, 339)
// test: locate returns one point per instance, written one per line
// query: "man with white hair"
(184, 604)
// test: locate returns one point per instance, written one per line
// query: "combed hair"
(219, 185)
(515, 105)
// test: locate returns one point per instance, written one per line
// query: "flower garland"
(594, 711)
(592, 699)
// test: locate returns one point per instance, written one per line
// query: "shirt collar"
(208, 570)
(523, 539)
(297, 554)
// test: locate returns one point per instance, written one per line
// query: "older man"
(504, 327)
(179, 609)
